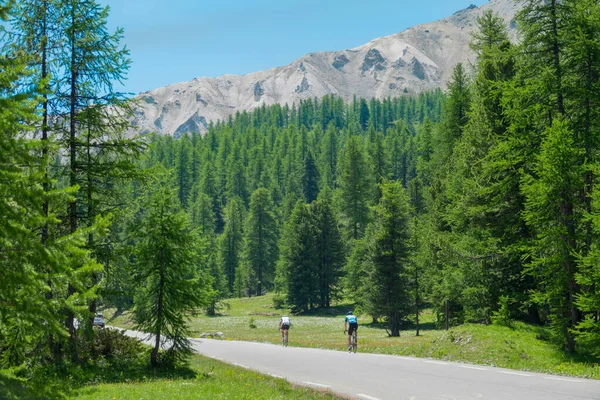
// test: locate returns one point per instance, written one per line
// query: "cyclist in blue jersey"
(350, 325)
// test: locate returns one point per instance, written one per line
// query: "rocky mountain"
(420, 58)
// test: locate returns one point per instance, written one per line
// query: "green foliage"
(354, 179)
(251, 323)
(310, 178)
(502, 316)
(278, 301)
(498, 179)
(329, 249)
(230, 245)
(260, 244)
(388, 285)
(298, 260)
(170, 267)
(521, 348)
(33, 266)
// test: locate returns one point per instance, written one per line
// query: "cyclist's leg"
(350, 330)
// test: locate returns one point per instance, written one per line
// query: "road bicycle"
(284, 338)
(353, 341)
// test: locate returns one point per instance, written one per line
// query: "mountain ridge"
(419, 58)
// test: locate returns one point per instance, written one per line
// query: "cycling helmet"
(349, 313)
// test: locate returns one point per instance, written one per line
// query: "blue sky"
(178, 40)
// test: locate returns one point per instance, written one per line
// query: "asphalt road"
(383, 377)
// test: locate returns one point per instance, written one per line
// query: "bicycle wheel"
(354, 341)
(285, 338)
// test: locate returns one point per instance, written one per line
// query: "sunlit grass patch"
(518, 348)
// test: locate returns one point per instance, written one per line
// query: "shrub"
(502, 316)
(252, 323)
(278, 301)
(113, 343)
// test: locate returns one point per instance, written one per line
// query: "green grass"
(203, 378)
(493, 345)
(215, 380)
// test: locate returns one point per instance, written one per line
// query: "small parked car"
(99, 320)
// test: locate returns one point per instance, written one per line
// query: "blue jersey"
(351, 319)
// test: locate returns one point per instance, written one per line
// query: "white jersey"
(285, 320)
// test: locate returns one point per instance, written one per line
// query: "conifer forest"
(480, 202)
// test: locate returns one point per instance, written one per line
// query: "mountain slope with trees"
(480, 203)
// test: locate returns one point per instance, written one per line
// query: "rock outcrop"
(420, 58)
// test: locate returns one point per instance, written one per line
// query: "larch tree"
(310, 178)
(329, 249)
(171, 267)
(354, 180)
(298, 262)
(389, 286)
(231, 242)
(30, 265)
(260, 250)
(92, 118)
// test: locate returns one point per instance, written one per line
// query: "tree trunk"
(394, 324)
(159, 311)
(72, 165)
(417, 299)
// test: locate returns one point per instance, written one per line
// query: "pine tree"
(184, 172)
(389, 254)
(171, 267)
(231, 241)
(260, 242)
(90, 61)
(583, 58)
(298, 261)
(29, 265)
(310, 178)
(364, 114)
(354, 180)
(202, 215)
(236, 181)
(379, 158)
(328, 157)
(560, 53)
(456, 113)
(208, 185)
(550, 198)
(329, 248)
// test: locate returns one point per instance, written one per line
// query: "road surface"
(384, 377)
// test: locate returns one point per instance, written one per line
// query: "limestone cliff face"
(419, 58)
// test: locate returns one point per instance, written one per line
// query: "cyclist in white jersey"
(284, 324)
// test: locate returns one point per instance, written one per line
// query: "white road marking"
(366, 397)
(316, 384)
(514, 373)
(561, 379)
(240, 365)
(437, 362)
(471, 367)
(276, 376)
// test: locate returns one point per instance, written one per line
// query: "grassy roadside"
(204, 378)
(520, 348)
